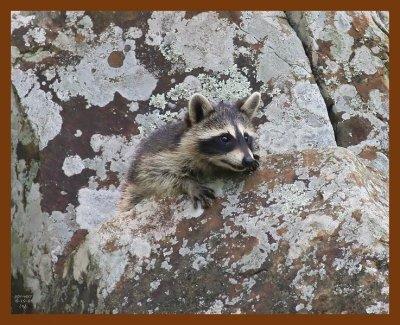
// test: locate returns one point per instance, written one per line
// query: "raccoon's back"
(167, 137)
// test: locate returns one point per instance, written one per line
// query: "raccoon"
(175, 159)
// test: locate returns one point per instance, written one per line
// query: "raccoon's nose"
(248, 161)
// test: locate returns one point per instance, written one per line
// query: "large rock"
(306, 233)
(349, 54)
(87, 87)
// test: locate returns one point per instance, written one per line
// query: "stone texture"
(349, 54)
(254, 251)
(88, 86)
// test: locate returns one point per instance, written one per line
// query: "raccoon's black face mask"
(225, 134)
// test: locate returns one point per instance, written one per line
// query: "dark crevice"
(333, 119)
(319, 82)
(253, 273)
(381, 118)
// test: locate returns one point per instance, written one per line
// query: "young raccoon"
(174, 159)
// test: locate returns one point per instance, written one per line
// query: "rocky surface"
(306, 233)
(349, 54)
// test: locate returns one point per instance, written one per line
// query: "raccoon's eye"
(246, 137)
(224, 138)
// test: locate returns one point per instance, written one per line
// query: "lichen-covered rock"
(349, 54)
(323, 250)
(87, 87)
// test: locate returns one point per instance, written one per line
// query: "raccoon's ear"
(199, 108)
(251, 104)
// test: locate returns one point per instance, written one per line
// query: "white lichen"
(42, 112)
(202, 41)
(72, 165)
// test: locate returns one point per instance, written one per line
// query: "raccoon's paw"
(202, 195)
(129, 198)
(125, 205)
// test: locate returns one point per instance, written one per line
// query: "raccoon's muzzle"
(250, 163)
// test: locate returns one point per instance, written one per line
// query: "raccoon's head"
(224, 135)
